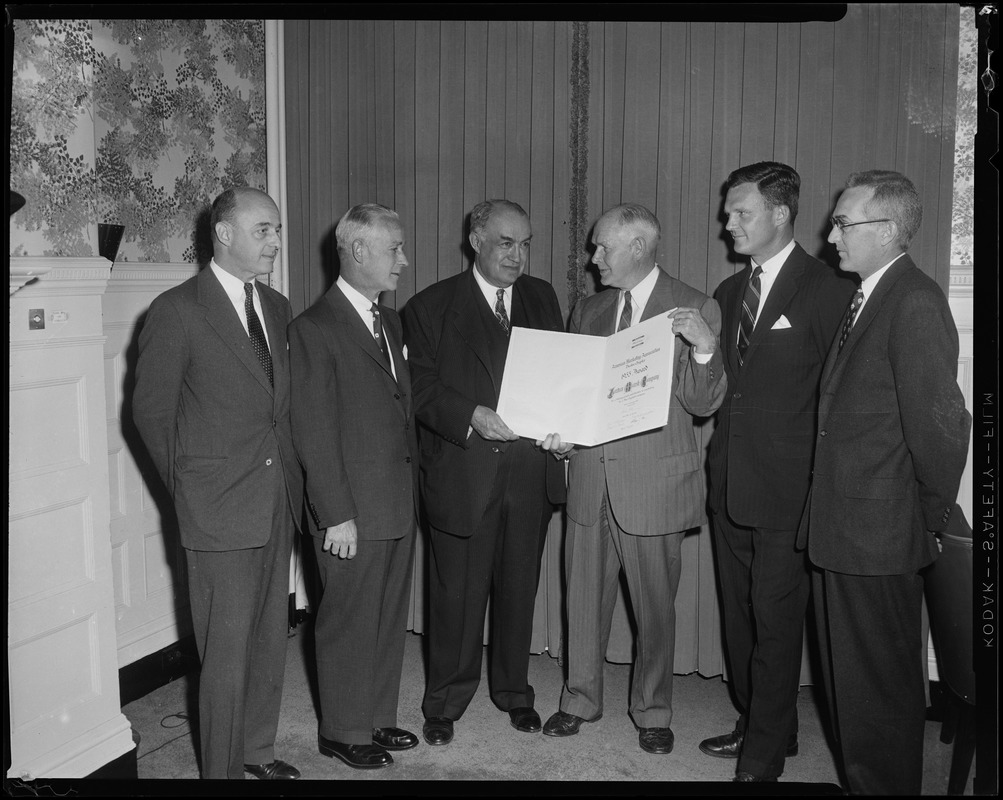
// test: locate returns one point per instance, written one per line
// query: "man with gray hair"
(353, 425)
(631, 501)
(890, 450)
(488, 495)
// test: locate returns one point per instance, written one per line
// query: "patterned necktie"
(257, 333)
(500, 312)
(378, 333)
(625, 314)
(851, 314)
(750, 305)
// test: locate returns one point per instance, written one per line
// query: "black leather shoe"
(276, 771)
(525, 719)
(437, 730)
(359, 756)
(394, 738)
(656, 740)
(730, 745)
(746, 777)
(563, 724)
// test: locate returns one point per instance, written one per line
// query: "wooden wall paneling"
(385, 122)
(426, 136)
(329, 153)
(494, 129)
(945, 138)
(639, 178)
(538, 111)
(405, 201)
(518, 111)
(815, 135)
(451, 159)
(612, 113)
(788, 78)
(671, 111)
(360, 86)
(725, 139)
(759, 93)
(474, 124)
(701, 200)
(595, 192)
(296, 239)
(559, 44)
(886, 86)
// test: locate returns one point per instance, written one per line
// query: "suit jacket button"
(738, 395)
(397, 396)
(823, 433)
(407, 459)
(602, 459)
(268, 462)
(495, 450)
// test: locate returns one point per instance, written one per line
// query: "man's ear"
(475, 242)
(357, 247)
(781, 215)
(638, 246)
(223, 232)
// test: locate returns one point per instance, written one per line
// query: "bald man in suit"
(631, 501)
(212, 406)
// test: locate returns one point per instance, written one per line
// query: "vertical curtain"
(569, 118)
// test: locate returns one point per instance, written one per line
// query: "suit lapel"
(351, 323)
(604, 321)
(784, 288)
(837, 358)
(222, 318)
(662, 297)
(466, 318)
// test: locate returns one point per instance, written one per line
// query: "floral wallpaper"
(139, 123)
(963, 218)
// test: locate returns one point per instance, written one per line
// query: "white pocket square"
(781, 324)
(404, 350)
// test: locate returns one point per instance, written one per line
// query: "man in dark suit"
(488, 495)
(631, 501)
(353, 428)
(780, 316)
(212, 406)
(891, 447)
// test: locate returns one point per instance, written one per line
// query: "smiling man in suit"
(353, 427)
(780, 316)
(891, 448)
(631, 501)
(488, 495)
(212, 406)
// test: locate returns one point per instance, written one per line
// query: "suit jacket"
(761, 451)
(454, 371)
(893, 433)
(352, 422)
(656, 479)
(218, 432)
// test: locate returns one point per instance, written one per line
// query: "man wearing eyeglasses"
(780, 315)
(891, 447)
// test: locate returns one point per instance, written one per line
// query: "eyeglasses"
(838, 223)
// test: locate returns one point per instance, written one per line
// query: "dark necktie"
(750, 305)
(851, 314)
(378, 333)
(625, 314)
(257, 333)
(500, 312)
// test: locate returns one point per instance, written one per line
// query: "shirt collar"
(232, 285)
(359, 301)
(491, 292)
(772, 265)
(639, 294)
(868, 284)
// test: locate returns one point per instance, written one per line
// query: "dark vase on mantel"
(109, 238)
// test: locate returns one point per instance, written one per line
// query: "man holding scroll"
(630, 501)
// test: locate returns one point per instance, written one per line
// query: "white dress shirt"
(364, 307)
(234, 288)
(868, 284)
(491, 293)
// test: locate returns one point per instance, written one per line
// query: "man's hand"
(490, 426)
(341, 540)
(553, 445)
(690, 324)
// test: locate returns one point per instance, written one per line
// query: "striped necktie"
(625, 314)
(500, 312)
(851, 315)
(750, 305)
(381, 340)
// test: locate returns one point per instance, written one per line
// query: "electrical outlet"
(36, 319)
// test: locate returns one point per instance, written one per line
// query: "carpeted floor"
(603, 758)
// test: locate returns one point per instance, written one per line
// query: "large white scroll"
(588, 389)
